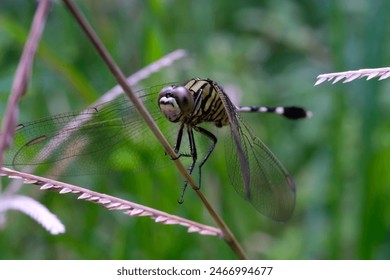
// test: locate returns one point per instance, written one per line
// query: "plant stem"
(121, 79)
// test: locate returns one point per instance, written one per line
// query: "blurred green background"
(270, 51)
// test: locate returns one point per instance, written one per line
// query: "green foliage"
(272, 52)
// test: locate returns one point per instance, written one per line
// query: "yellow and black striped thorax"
(208, 106)
(197, 101)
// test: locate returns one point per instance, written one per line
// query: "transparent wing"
(100, 139)
(255, 172)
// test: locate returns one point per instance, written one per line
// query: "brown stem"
(228, 236)
(22, 75)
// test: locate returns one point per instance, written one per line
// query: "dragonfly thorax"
(175, 102)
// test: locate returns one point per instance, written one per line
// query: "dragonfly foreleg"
(194, 156)
(210, 150)
(176, 148)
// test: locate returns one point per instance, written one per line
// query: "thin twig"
(22, 76)
(142, 74)
(228, 236)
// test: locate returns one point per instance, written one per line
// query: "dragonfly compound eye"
(175, 102)
(184, 99)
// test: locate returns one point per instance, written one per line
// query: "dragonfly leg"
(194, 156)
(211, 149)
(176, 148)
(178, 138)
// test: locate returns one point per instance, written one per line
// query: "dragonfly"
(114, 134)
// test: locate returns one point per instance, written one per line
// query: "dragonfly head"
(175, 102)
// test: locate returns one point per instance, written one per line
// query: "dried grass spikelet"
(111, 203)
(348, 76)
